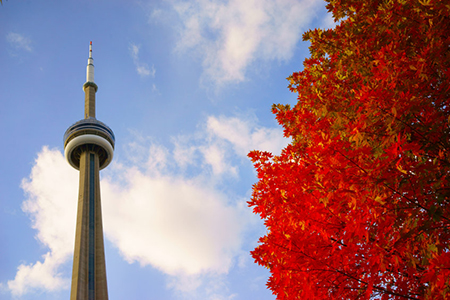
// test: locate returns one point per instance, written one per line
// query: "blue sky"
(187, 87)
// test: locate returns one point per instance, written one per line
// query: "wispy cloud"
(141, 68)
(19, 41)
(328, 22)
(232, 35)
(223, 139)
(163, 208)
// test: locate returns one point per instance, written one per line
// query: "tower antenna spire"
(89, 87)
(90, 66)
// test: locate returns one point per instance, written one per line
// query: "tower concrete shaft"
(89, 101)
(89, 147)
(89, 269)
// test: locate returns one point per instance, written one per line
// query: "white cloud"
(225, 137)
(141, 68)
(232, 35)
(215, 287)
(154, 211)
(39, 276)
(215, 156)
(245, 136)
(19, 41)
(51, 193)
(176, 225)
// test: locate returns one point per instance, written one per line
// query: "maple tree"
(357, 206)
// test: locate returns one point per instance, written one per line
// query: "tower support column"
(89, 269)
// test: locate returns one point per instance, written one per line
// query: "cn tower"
(89, 148)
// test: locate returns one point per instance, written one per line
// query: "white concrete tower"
(89, 148)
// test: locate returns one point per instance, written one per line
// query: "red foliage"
(358, 205)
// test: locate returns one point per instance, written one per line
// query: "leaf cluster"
(358, 205)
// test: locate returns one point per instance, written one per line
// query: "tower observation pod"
(89, 148)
